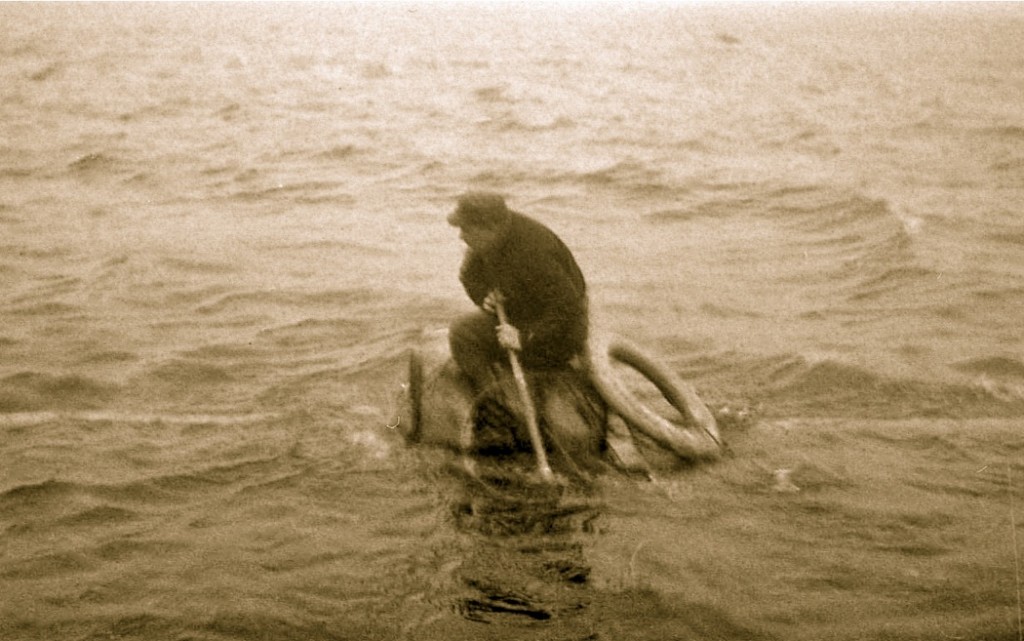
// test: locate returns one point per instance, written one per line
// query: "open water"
(222, 227)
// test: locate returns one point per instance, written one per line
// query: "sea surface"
(222, 228)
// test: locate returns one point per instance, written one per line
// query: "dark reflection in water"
(527, 559)
(524, 571)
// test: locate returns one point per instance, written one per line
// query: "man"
(524, 264)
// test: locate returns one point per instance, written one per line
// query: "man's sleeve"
(471, 276)
(556, 305)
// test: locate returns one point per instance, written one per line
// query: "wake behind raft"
(587, 414)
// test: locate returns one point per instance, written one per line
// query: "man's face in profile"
(478, 237)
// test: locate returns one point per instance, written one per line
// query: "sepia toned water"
(222, 229)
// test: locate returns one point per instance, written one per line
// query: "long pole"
(528, 409)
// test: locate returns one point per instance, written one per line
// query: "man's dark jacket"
(544, 290)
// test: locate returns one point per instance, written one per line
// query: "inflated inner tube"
(700, 439)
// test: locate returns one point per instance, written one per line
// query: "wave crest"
(827, 386)
(35, 391)
(1001, 366)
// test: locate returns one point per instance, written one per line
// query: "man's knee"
(467, 334)
(474, 345)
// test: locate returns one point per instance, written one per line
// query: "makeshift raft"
(587, 415)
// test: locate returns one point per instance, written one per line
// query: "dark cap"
(479, 208)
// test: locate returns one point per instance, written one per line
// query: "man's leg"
(474, 346)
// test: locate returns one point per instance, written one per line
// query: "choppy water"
(223, 226)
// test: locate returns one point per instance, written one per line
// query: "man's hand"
(490, 303)
(508, 337)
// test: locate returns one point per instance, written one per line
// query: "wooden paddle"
(524, 394)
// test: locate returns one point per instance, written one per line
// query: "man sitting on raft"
(541, 286)
(532, 301)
